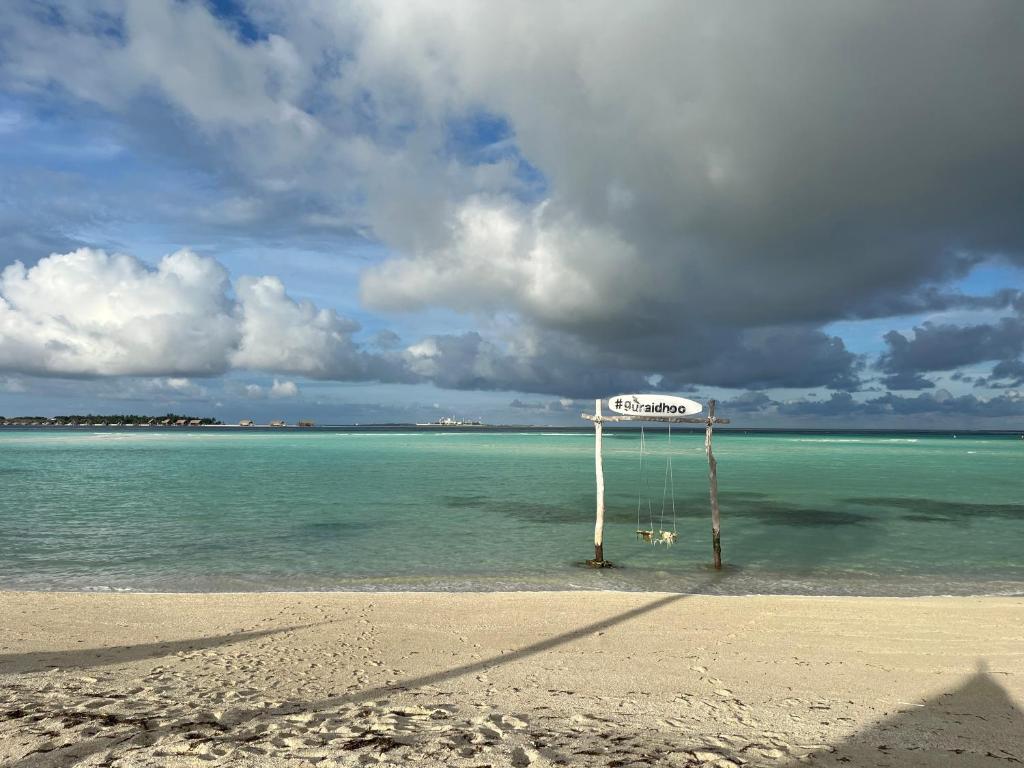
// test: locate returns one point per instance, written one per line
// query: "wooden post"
(716, 522)
(598, 561)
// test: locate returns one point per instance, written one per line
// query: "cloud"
(90, 313)
(66, 392)
(284, 389)
(12, 385)
(906, 380)
(248, 391)
(939, 406)
(839, 404)
(1009, 372)
(748, 402)
(727, 168)
(770, 357)
(943, 347)
(525, 362)
(693, 191)
(560, 406)
(508, 257)
(277, 333)
(1009, 404)
(932, 299)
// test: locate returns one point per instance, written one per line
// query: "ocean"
(197, 510)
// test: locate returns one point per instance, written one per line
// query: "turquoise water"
(222, 510)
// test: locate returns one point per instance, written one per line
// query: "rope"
(672, 479)
(650, 508)
(664, 490)
(640, 484)
(670, 485)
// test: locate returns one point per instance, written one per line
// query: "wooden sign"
(653, 405)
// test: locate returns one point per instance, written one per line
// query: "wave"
(829, 440)
(856, 440)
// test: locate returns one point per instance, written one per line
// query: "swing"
(646, 535)
(643, 534)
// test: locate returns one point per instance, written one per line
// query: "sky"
(361, 212)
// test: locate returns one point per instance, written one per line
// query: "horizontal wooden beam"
(668, 419)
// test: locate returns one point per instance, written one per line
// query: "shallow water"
(220, 510)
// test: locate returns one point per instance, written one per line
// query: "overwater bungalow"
(245, 423)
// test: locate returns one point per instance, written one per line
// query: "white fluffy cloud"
(90, 313)
(278, 333)
(501, 255)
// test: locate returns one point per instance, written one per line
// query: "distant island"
(449, 421)
(115, 420)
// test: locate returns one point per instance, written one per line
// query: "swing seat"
(668, 538)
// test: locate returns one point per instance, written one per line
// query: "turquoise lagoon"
(465, 510)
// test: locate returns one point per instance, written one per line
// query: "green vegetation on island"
(114, 420)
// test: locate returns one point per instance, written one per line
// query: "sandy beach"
(499, 679)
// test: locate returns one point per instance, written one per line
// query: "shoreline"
(1011, 590)
(509, 679)
(113, 591)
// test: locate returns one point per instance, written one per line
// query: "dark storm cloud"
(764, 358)
(942, 403)
(839, 404)
(940, 347)
(748, 402)
(906, 380)
(1005, 373)
(932, 299)
(1012, 370)
(558, 365)
(469, 361)
(769, 180)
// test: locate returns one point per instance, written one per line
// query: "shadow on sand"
(85, 658)
(973, 725)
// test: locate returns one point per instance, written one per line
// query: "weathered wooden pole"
(598, 561)
(716, 522)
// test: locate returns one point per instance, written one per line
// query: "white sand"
(603, 679)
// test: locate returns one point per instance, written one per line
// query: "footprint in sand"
(510, 721)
